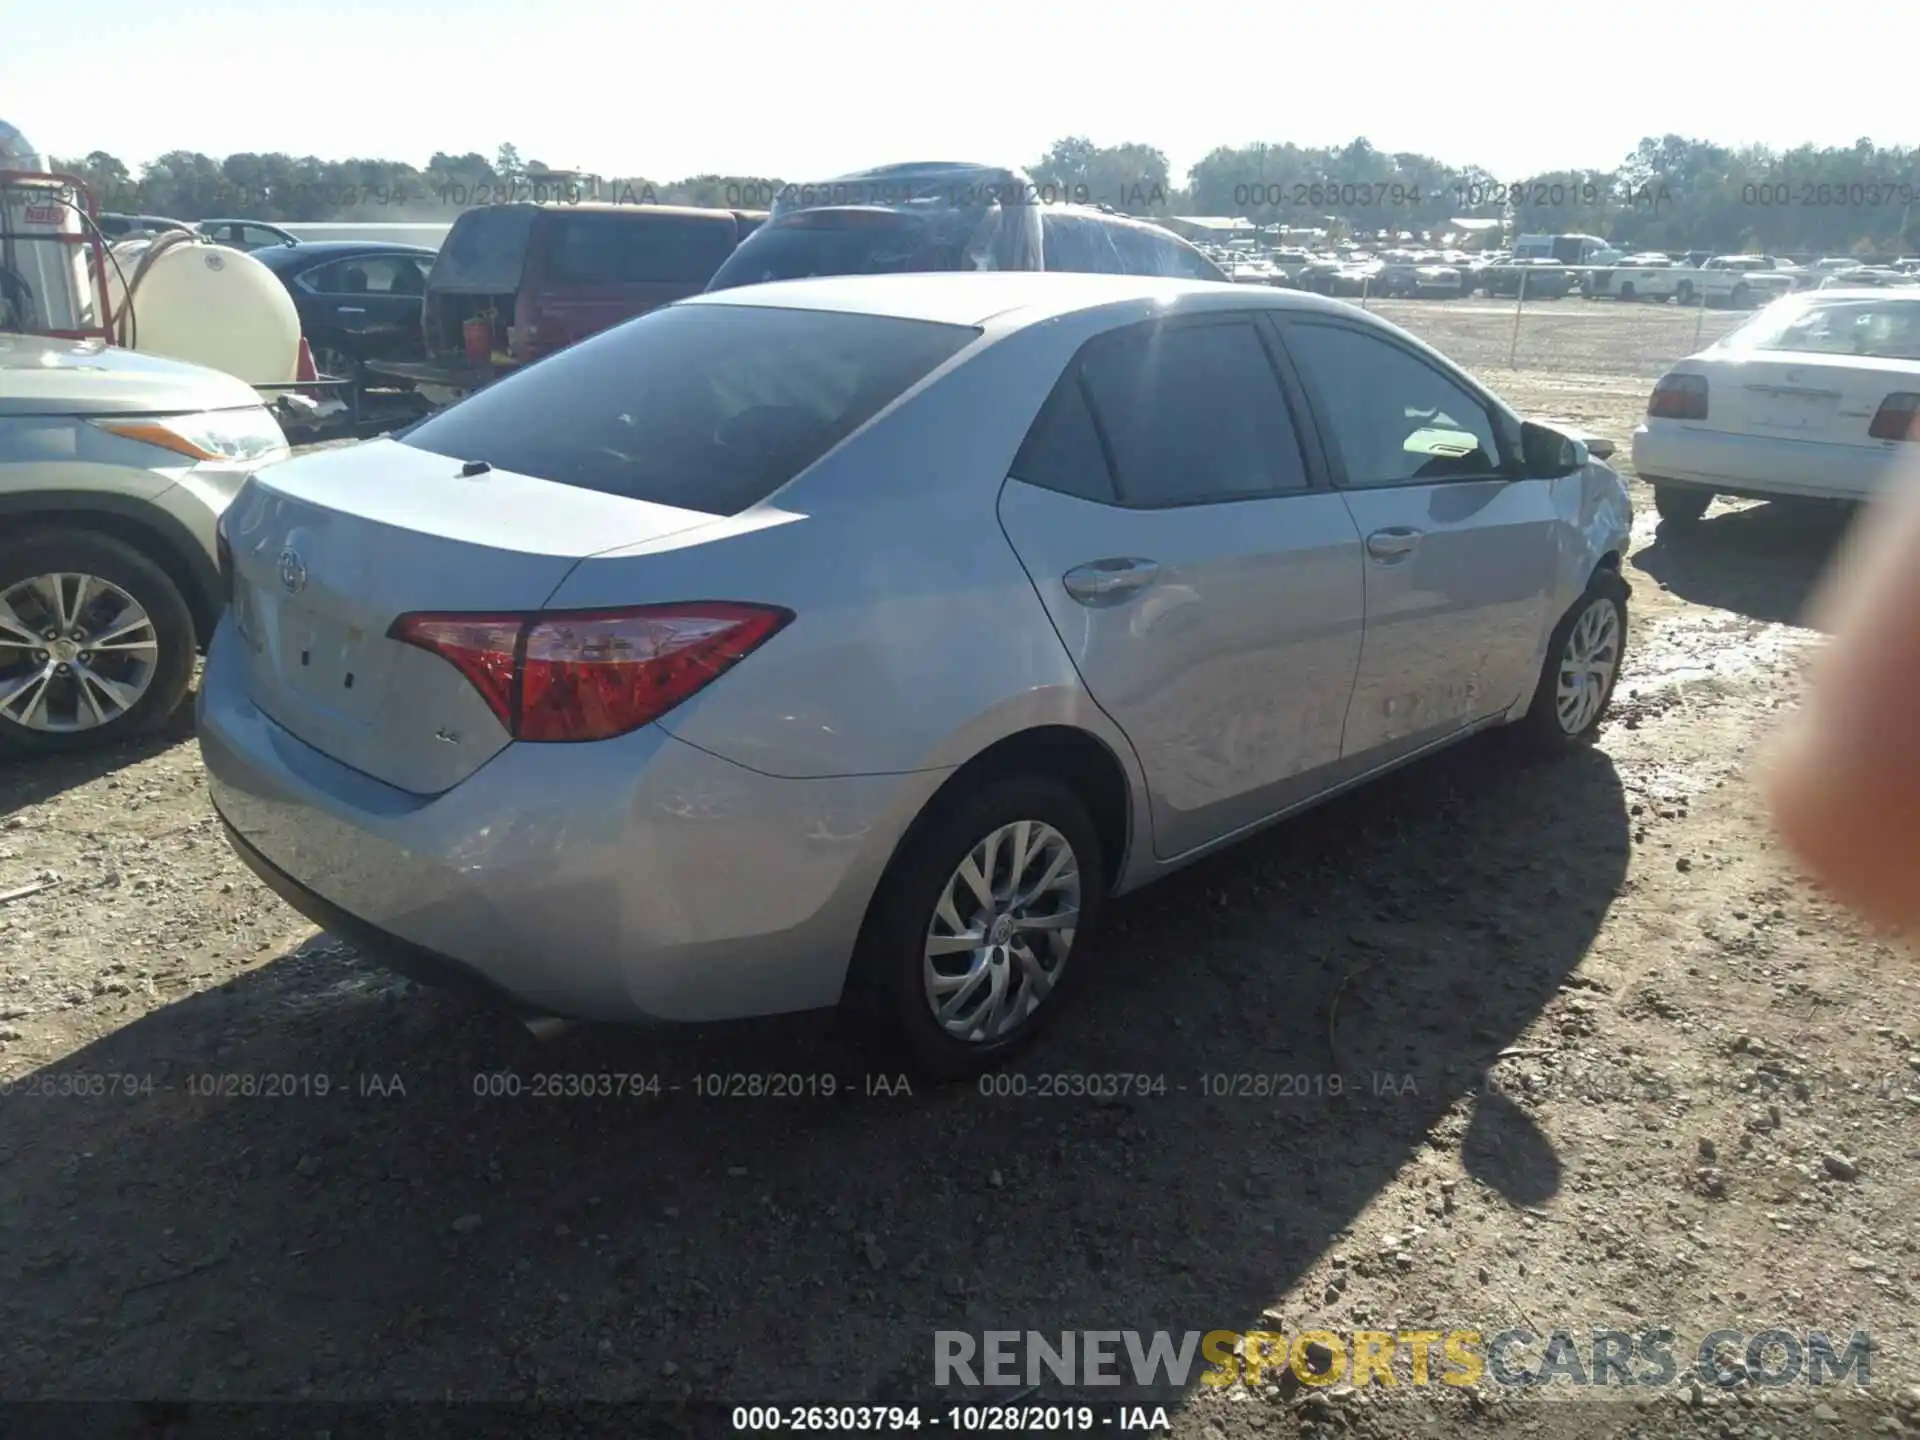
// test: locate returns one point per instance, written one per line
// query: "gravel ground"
(1603, 1061)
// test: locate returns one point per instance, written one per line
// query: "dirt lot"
(1636, 1074)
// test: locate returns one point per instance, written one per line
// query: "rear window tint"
(633, 249)
(706, 407)
(485, 251)
(883, 241)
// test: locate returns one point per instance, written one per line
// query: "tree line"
(1670, 193)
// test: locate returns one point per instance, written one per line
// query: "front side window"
(367, 275)
(1396, 420)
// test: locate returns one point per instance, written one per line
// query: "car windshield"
(705, 407)
(1880, 329)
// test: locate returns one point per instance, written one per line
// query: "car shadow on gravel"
(1764, 562)
(26, 781)
(1270, 1038)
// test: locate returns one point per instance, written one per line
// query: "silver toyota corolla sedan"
(849, 641)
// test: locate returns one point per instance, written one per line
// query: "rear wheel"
(1582, 665)
(1741, 295)
(1677, 505)
(1683, 293)
(96, 642)
(982, 921)
(1626, 291)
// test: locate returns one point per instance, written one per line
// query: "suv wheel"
(96, 642)
(982, 921)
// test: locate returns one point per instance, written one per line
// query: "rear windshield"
(591, 248)
(485, 251)
(1877, 329)
(706, 407)
(873, 241)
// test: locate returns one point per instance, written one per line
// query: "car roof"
(1010, 298)
(309, 252)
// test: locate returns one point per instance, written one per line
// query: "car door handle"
(353, 310)
(1104, 579)
(1393, 542)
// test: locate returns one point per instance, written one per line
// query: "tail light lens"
(1679, 397)
(1898, 418)
(593, 674)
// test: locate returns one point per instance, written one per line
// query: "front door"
(1208, 590)
(1460, 551)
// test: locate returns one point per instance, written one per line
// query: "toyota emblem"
(293, 571)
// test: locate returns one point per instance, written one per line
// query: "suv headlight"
(235, 437)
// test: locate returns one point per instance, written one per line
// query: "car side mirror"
(1546, 454)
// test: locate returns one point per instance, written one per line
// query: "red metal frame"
(89, 237)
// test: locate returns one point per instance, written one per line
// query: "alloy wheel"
(76, 652)
(1001, 931)
(1587, 666)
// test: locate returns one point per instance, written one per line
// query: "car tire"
(167, 630)
(893, 984)
(1738, 299)
(1683, 293)
(1592, 632)
(1680, 505)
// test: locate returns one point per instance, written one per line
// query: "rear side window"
(705, 407)
(1062, 451)
(485, 251)
(611, 249)
(1193, 413)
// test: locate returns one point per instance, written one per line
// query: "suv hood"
(42, 376)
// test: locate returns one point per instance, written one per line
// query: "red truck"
(514, 282)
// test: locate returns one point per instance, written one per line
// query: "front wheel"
(96, 642)
(1582, 665)
(982, 921)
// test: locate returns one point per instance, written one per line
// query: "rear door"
(369, 302)
(1459, 551)
(595, 268)
(1208, 589)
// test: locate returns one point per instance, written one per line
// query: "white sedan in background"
(1816, 397)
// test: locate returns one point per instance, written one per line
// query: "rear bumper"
(633, 879)
(1674, 452)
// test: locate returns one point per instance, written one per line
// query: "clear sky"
(749, 86)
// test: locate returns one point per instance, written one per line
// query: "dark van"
(543, 276)
(939, 216)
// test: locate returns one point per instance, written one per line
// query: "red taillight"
(1679, 397)
(592, 674)
(1898, 418)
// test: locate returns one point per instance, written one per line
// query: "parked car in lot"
(639, 685)
(114, 468)
(246, 235)
(118, 227)
(1874, 276)
(359, 300)
(1542, 279)
(928, 217)
(1816, 397)
(535, 278)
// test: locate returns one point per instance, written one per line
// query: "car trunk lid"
(1829, 398)
(330, 549)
